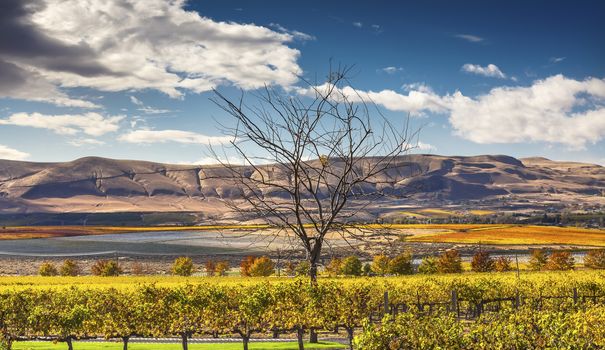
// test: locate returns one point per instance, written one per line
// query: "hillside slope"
(95, 184)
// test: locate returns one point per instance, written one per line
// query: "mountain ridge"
(97, 184)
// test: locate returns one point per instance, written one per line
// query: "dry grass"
(517, 235)
(438, 212)
(481, 212)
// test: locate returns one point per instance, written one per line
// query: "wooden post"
(454, 300)
(386, 302)
(575, 295)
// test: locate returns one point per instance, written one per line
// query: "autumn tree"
(15, 308)
(482, 262)
(380, 264)
(245, 265)
(595, 259)
(60, 313)
(351, 266)
(48, 269)
(538, 259)
(503, 264)
(428, 265)
(182, 266)
(210, 267)
(449, 262)
(248, 310)
(106, 268)
(69, 268)
(329, 152)
(302, 268)
(262, 267)
(115, 314)
(560, 261)
(334, 267)
(401, 264)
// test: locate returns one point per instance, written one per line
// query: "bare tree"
(326, 152)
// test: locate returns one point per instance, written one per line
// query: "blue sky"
(132, 78)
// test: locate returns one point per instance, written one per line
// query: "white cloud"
(27, 84)
(358, 24)
(391, 69)
(136, 101)
(12, 154)
(93, 124)
(147, 44)
(554, 110)
(416, 102)
(491, 70)
(470, 38)
(163, 136)
(425, 147)
(85, 142)
(295, 33)
(418, 86)
(556, 59)
(147, 109)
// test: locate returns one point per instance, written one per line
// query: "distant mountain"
(95, 184)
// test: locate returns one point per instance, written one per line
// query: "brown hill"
(95, 184)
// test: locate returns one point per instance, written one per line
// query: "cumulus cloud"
(19, 83)
(93, 124)
(415, 102)
(12, 154)
(491, 70)
(470, 38)
(358, 24)
(555, 110)
(119, 45)
(163, 136)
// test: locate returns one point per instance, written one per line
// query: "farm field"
(193, 346)
(497, 234)
(129, 282)
(29, 232)
(514, 235)
(157, 307)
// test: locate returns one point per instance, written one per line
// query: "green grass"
(149, 346)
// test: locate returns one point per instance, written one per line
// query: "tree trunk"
(350, 336)
(313, 273)
(69, 344)
(313, 336)
(300, 333)
(245, 340)
(8, 341)
(125, 341)
(184, 341)
(313, 258)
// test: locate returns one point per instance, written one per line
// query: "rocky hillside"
(94, 184)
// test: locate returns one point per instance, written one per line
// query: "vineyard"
(455, 311)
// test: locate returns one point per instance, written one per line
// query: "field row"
(497, 234)
(67, 309)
